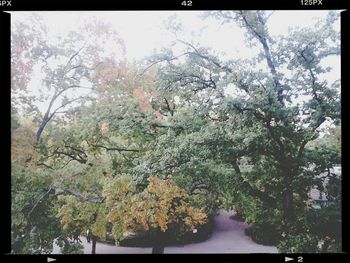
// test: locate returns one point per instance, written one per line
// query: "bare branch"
(63, 105)
(160, 61)
(114, 148)
(74, 55)
(45, 165)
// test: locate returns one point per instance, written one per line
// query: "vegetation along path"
(228, 237)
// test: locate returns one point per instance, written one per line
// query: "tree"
(263, 120)
(97, 148)
(67, 65)
(159, 150)
(122, 209)
(34, 225)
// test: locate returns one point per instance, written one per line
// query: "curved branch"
(199, 54)
(249, 189)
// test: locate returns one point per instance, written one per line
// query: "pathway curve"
(228, 237)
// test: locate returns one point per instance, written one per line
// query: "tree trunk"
(93, 247)
(40, 130)
(288, 206)
(254, 192)
(44, 121)
(288, 199)
(158, 247)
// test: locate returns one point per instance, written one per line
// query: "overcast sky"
(145, 32)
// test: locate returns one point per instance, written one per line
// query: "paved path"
(228, 237)
(102, 248)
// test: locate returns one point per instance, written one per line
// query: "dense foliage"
(161, 149)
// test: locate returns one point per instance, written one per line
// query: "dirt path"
(228, 237)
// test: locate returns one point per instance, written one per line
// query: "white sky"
(144, 32)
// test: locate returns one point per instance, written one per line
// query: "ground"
(228, 237)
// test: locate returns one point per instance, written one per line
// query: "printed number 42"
(186, 3)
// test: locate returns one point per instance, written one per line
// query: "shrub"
(237, 216)
(300, 243)
(265, 233)
(174, 235)
(325, 221)
(265, 225)
(308, 243)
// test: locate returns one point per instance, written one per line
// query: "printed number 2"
(300, 259)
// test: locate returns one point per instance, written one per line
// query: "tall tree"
(273, 112)
(67, 64)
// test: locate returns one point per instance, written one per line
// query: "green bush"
(265, 223)
(325, 221)
(308, 243)
(300, 243)
(174, 235)
(265, 234)
(331, 247)
(70, 247)
(319, 232)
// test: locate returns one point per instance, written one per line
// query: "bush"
(265, 226)
(301, 243)
(325, 221)
(318, 232)
(308, 243)
(238, 217)
(203, 233)
(265, 234)
(70, 247)
(174, 235)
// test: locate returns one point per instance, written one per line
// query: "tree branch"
(80, 159)
(196, 52)
(249, 189)
(84, 197)
(45, 165)
(161, 60)
(114, 148)
(74, 55)
(267, 53)
(169, 108)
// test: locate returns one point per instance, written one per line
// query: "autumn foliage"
(160, 204)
